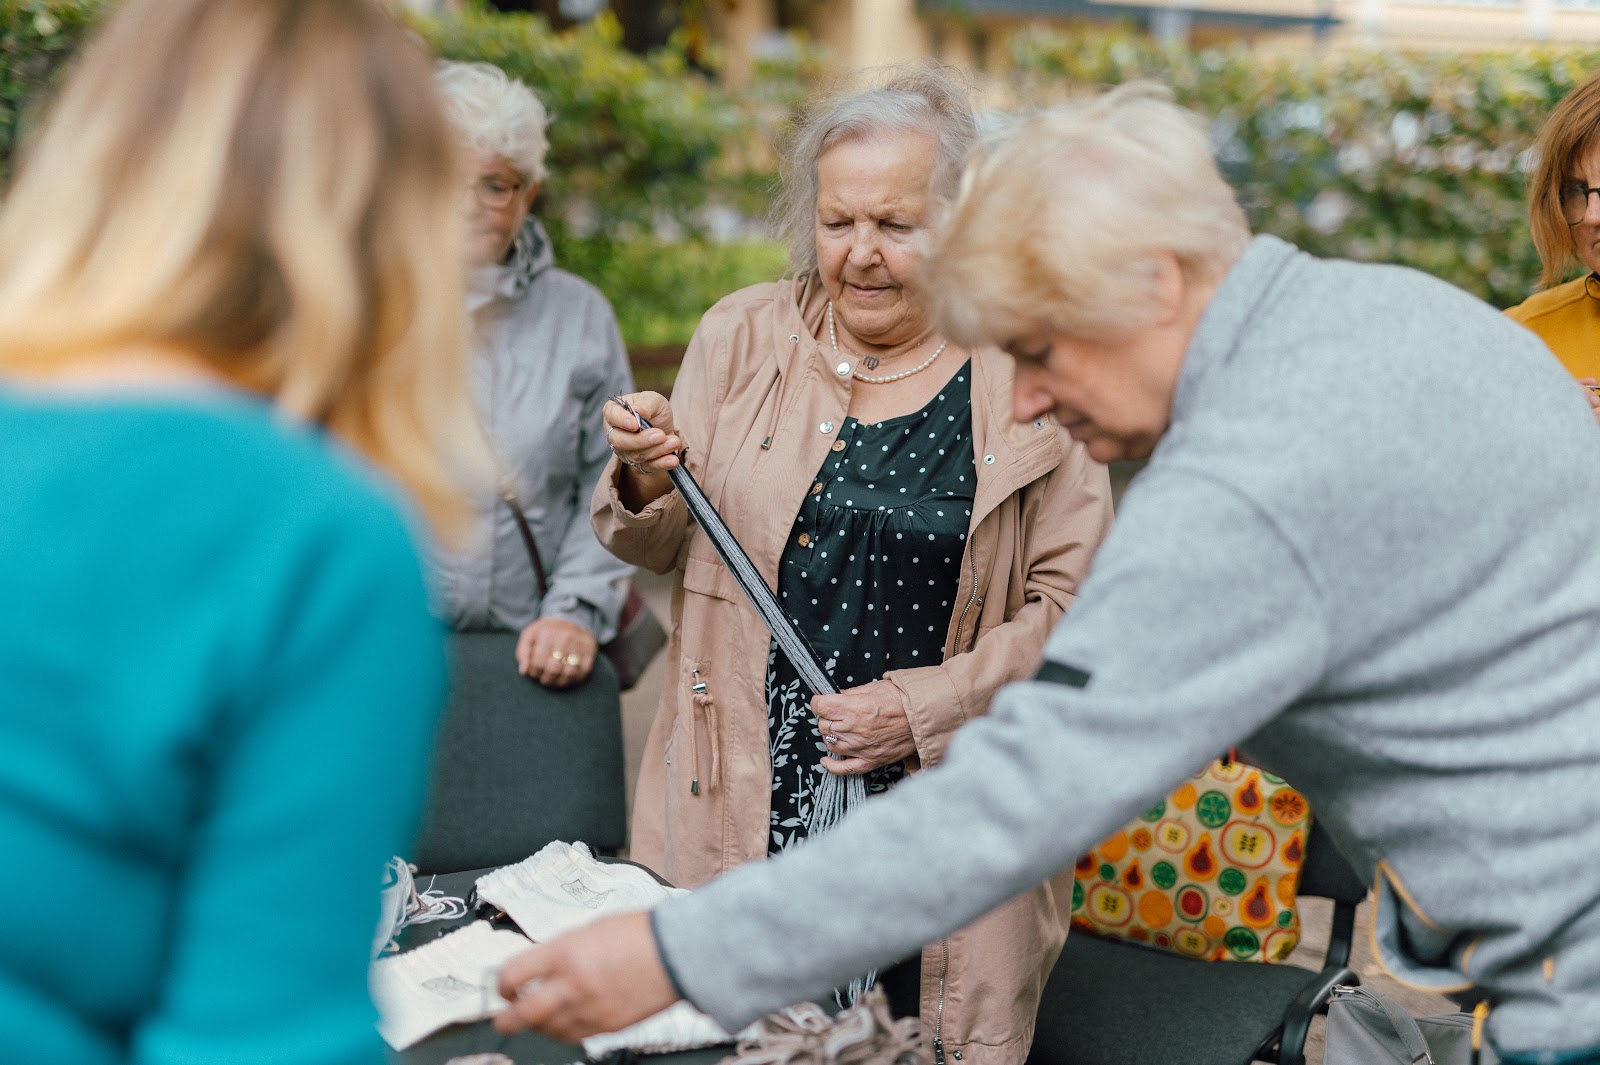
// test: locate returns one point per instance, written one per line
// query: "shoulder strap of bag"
(1405, 1026)
(509, 494)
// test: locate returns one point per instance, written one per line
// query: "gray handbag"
(1368, 1028)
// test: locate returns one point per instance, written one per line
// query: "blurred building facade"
(974, 33)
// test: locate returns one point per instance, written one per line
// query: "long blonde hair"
(268, 186)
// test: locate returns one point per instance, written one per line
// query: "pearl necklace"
(833, 338)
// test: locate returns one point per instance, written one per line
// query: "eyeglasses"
(496, 193)
(1575, 201)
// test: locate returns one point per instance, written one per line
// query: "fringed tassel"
(834, 797)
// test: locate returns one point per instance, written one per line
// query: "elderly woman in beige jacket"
(922, 540)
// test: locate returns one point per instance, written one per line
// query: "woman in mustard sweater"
(1564, 212)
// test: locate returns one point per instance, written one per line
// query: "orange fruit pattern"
(1229, 845)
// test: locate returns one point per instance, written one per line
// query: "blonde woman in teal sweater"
(226, 359)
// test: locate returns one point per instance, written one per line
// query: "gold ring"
(555, 656)
(573, 660)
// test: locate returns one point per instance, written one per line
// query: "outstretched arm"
(1199, 624)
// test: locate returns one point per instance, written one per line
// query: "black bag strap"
(509, 494)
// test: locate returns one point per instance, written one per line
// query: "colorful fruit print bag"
(1209, 872)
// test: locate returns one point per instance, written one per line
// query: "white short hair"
(1060, 218)
(495, 113)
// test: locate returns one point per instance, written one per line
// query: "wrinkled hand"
(644, 451)
(556, 652)
(600, 978)
(871, 727)
(646, 454)
(1589, 385)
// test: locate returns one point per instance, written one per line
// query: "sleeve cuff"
(933, 709)
(570, 608)
(666, 963)
(649, 514)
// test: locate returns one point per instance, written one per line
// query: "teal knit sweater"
(218, 682)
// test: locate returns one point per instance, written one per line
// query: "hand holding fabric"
(868, 728)
(1590, 384)
(556, 652)
(599, 978)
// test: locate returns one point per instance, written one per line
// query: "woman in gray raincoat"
(546, 354)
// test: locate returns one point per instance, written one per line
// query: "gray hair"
(929, 98)
(495, 113)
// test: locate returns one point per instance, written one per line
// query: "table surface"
(480, 1037)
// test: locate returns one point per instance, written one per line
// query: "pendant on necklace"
(870, 361)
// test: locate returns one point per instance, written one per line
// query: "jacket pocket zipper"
(962, 620)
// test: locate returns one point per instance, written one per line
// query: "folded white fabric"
(678, 1027)
(563, 887)
(448, 981)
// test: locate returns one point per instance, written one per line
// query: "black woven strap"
(794, 646)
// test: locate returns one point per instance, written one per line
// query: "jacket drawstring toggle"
(704, 723)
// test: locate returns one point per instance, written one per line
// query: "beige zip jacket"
(758, 402)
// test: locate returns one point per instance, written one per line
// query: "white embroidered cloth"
(448, 981)
(563, 887)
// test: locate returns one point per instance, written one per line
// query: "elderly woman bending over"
(923, 540)
(546, 355)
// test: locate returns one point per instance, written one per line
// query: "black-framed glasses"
(1575, 201)
(496, 193)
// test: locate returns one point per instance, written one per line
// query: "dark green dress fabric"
(870, 575)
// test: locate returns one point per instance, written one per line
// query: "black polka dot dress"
(870, 575)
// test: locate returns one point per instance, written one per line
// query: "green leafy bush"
(636, 143)
(1388, 157)
(36, 38)
(661, 289)
(639, 147)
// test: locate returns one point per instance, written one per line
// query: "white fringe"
(835, 796)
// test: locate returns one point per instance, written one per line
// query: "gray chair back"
(1326, 873)
(518, 765)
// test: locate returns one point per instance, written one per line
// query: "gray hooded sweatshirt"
(545, 355)
(1365, 550)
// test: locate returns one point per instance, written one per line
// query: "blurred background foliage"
(659, 178)
(1387, 157)
(655, 170)
(37, 37)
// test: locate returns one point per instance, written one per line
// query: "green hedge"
(1404, 158)
(638, 146)
(636, 143)
(36, 39)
